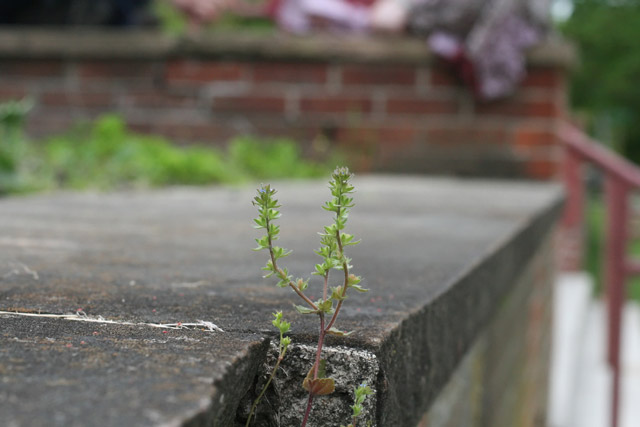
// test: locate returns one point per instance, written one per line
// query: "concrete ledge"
(441, 256)
(146, 45)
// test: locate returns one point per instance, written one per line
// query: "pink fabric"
(200, 12)
(301, 16)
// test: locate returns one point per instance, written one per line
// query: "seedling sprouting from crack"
(284, 342)
(360, 395)
(332, 250)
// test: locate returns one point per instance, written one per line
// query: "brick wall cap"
(29, 43)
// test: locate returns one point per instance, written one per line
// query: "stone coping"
(437, 254)
(23, 43)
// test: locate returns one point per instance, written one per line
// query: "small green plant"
(360, 395)
(284, 342)
(333, 242)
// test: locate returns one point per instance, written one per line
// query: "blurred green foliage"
(106, 155)
(279, 158)
(595, 218)
(605, 92)
(170, 19)
(17, 159)
(604, 87)
(173, 22)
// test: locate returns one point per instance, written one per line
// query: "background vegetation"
(606, 95)
(604, 88)
(105, 155)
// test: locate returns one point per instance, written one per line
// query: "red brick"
(47, 123)
(158, 99)
(378, 75)
(8, 93)
(519, 108)
(530, 138)
(277, 128)
(441, 77)
(289, 73)
(335, 104)
(394, 136)
(249, 104)
(181, 132)
(543, 78)
(360, 154)
(82, 99)
(471, 134)
(117, 69)
(421, 106)
(204, 71)
(364, 146)
(543, 169)
(31, 68)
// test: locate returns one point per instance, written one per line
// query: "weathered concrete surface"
(77, 373)
(437, 254)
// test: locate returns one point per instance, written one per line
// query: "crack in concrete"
(81, 316)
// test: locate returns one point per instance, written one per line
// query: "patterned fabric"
(485, 41)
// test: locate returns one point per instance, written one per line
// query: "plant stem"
(345, 267)
(307, 411)
(303, 296)
(316, 366)
(326, 285)
(281, 273)
(264, 389)
(320, 343)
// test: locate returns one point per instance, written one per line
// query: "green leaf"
(347, 239)
(353, 279)
(305, 310)
(359, 288)
(302, 284)
(320, 270)
(320, 386)
(322, 369)
(279, 252)
(330, 206)
(285, 279)
(338, 332)
(282, 325)
(263, 243)
(330, 229)
(336, 294)
(325, 306)
(285, 342)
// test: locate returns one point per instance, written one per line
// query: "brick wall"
(386, 103)
(503, 379)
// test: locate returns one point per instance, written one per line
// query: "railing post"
(573, 217)
(617, 202)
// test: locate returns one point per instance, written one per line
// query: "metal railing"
(621, 177)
